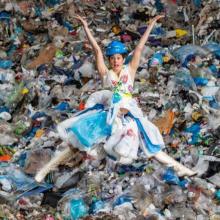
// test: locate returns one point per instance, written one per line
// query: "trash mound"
(47, 73)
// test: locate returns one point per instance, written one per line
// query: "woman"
(113, 117)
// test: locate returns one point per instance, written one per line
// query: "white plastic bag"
(124, 142)
(100, 97)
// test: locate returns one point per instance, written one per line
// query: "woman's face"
(116, 62)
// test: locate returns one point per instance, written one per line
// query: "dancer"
(112, 116)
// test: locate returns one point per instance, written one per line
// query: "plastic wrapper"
(6, 64)
(73, 205)
(18, 184)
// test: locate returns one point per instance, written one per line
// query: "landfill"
(47, 72)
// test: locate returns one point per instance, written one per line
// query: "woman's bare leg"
(178, 167)
(65, 155)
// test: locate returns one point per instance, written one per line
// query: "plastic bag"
(213, 48)
(101, 97)
(183, 52)
(85, 130)
(124, 142)
(91, 128)
(183, 78)
(15, 96)
(21, 184)
(77, 208)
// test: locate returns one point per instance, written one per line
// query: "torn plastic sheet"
(21, 184)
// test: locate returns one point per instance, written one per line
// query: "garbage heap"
(47, 73)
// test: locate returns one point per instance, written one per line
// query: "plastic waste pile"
(47, 72)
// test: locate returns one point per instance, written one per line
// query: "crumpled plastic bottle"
(15, 96)
(21, 126)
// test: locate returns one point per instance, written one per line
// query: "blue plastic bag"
(183, 53)
(156, 59)
(170, 177)
(91, 128)
(5, 16)
(184, 78)
(22, 184)
(213, 48)
(217, 195)
(214, 104)
(197, 3)
(52, 3)
(195, 130)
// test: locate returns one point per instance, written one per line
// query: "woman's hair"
(124, 55)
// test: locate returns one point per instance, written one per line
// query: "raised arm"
(139, 48)
(101, 67)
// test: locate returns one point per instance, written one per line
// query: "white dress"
(101, 121)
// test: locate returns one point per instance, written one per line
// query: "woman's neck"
(117, 72)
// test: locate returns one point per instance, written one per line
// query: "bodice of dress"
(122, 84)
(122, 88)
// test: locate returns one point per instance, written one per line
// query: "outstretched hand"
(155, 19)
(81, 19)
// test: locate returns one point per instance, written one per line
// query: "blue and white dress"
(102, 122)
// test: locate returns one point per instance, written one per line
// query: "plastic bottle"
(21, 126)
(176, 33)
(15, 96)
(96, 206)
